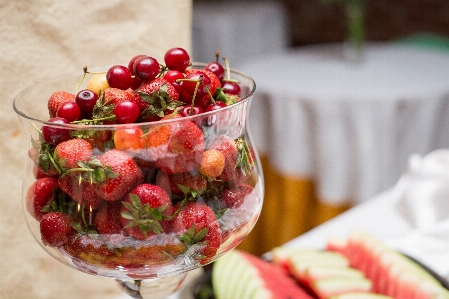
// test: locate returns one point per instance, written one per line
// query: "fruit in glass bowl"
(132, 187)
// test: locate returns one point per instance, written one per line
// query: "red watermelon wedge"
(240, 275)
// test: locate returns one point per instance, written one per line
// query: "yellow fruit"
(97, 82)
(212, 163)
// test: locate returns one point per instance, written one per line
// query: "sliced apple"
(327, 287)
(360, 295)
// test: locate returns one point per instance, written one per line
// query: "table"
(239, 29)
(342, 131)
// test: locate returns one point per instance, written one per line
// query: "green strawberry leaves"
(143, 216)
(190, 237)
(159, 101)
(244, 157)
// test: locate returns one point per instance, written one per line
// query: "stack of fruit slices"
(360, 267)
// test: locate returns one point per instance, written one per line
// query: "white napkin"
(424, 189)
(423, 200)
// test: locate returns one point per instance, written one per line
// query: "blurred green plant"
(355, 21)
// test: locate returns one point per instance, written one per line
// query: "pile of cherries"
(144, 68)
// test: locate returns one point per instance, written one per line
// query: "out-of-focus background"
(347, 90)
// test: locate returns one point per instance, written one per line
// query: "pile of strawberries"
(135, 191)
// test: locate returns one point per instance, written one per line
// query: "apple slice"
(360, 295)
(238, 274)
(327, 287)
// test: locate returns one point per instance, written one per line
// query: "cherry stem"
(228, 70)
(217, 56)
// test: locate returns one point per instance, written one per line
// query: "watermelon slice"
(240, 275)
(392, 273)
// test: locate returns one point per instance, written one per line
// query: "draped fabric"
(43, 39)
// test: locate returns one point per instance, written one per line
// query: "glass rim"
(150, 123)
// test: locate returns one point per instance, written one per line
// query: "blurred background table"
(334, 132)
(240, 30)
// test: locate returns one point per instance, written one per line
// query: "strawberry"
(89, 249)
(127, 175)
(145, 210)
(197, 225)
(56, 99)
(212, 163)
(55, 228)
(68, 153)
(234, 195)
(103, 110)
(107, 219)
(156, 99)
(182, 184)
(238, 158)
(184, 148)
(40, 194)
(40, 154)
(83, 192)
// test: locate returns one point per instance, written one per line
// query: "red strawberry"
(197, 225)
(80, 190)
(56, 99)
(144, 209)
(233, 196)
(94, 251)
(55, 228)
(184, 148)
(104, 107)
(127, 175)
(190, 182)
(107, 220)
(39, 195)
(238, 158)
(156, 99)
(68, 153)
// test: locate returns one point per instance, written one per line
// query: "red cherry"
(146, 68)
(69, 110)
(177, 59)
(189, 85)
(131, 63)
(217, 69)
(55, 135)
(86, 99)
(172, 76)
(191, 110)
(127, 111)
(119, 77)
(230, 87)
(215, 106)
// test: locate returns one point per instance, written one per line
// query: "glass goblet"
(139, 209)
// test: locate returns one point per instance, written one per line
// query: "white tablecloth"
(349, 126)
(239, 29)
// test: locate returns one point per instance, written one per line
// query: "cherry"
(55, 135)
(131, 63)
(189, 85)
(191, 110)
(230, 87)
(69, 110)
(127, 111)
(215, 106)
(86, 99)
(217, 69)
(146, 68)
(119, 76)
(171, 77)
(177, 59)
